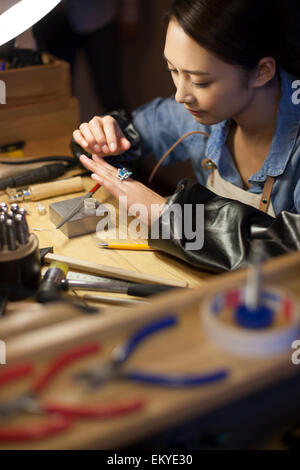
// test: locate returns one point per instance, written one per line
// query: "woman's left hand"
(135, 192)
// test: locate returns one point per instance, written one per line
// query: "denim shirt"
(163, 121)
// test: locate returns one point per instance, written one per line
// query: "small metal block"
(80, 224)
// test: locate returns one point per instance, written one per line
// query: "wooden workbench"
(182, 349)
(85, 247)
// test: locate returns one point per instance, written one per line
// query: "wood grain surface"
(181, 349)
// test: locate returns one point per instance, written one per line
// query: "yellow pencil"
(126, 246)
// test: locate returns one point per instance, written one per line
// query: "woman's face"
(213, 89)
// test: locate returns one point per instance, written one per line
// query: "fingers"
(103, 163)
(78, 137)
(111, 184)
(98, 165)
(96, 128)
(124, 144)
(107, 132)
(89, 137)
(84, 139)
(102, 136)
(108, 179)
(116, 141)
(89, 163)
(106, 175)
(112, 134)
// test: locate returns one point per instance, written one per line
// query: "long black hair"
(241, 32)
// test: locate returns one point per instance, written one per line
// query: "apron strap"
(207, 164)
(266, 195)
(265, 200)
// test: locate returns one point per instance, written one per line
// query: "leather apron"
(228, 190)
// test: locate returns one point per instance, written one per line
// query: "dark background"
(143, 71)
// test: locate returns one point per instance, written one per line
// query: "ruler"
(76, 276)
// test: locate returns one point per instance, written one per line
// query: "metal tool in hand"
(60, 417)
(113, 370)
(78, 206)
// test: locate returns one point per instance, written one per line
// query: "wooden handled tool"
(37, 192)
(56, 188)
(111, 271)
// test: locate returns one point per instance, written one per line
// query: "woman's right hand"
(102, 136)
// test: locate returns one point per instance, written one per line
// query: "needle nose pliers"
(113, 369)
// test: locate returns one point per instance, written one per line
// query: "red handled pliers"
(60, 417)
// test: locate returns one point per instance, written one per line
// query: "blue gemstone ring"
(123, 174)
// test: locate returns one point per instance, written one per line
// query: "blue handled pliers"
(113, 369)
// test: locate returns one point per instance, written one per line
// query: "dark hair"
(241, 32)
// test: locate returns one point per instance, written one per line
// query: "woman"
(230, 68)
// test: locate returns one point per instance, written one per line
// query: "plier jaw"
(112, 370)
(99, 375)
(25, 403)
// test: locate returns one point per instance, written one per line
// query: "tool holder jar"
(20, 270)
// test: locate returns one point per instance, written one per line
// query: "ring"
(123, 174)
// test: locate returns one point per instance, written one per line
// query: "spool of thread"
(218, 316)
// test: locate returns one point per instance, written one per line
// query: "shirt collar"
(283, 143)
